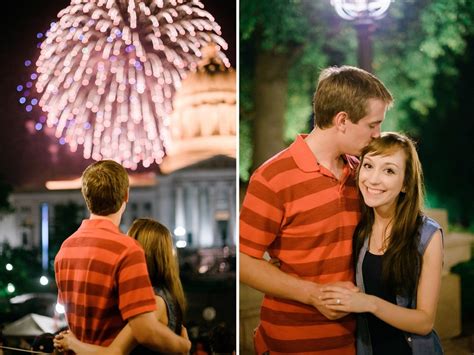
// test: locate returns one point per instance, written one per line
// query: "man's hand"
(345, 284)
(267, 277)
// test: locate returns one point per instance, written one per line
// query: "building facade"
(197, 203)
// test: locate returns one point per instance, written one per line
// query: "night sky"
(26, 159)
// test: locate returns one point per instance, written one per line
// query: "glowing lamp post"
(363, 13)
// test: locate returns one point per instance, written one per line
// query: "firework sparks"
(108, 70)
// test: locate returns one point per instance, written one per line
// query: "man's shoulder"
(114, 241)
(280, 162)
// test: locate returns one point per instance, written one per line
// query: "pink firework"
(108, 70)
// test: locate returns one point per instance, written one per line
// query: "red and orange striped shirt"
(102, 281)
(297, 211)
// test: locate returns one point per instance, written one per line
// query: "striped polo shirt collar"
(101, 224)
(307, 161)
(303, 156)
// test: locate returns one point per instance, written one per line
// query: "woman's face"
(381, 179)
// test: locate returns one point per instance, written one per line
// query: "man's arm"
(156, 336)
(265, 277)
(134, 285)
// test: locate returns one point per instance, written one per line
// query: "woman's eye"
(390, 171)
(367, 166)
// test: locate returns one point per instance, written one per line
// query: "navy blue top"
(385, 339)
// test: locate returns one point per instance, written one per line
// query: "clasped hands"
(334, 300)
(344, 297)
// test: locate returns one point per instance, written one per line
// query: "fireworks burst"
(108, 70)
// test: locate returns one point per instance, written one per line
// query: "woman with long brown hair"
(163, 271)
(398, 254)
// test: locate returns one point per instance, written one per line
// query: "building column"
(231, 227)
(195, 213)
(212, 192)
(180, 215)
(164, 206)
(206, 236)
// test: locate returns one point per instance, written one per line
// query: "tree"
(5, 191)
(25, 273)
(431, 78)
(277, 38)
(415, 46)
(67, 219)
(446, 144)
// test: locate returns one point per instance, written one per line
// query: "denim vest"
(420, 344)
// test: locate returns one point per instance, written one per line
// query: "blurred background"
(424, 52)
(190, 187)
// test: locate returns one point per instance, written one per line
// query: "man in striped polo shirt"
(302, 207)
(101, 273)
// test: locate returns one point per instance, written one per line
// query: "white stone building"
(199, 199)
(195, 196)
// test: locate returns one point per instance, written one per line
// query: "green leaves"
(5, 190)
(277, 24)
(415, 44)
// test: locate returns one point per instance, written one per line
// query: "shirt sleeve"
(260, 217)
(135, 294)
(57, 278)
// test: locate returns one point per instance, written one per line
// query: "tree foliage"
(25, 274)
(297, 29)
(417, 48)
(413, 44)
(67, 219)
(445, 142)
(5, 190)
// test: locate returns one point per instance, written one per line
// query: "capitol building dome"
(203, 123)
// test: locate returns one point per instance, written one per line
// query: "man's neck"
(114, 218)
(324, 146)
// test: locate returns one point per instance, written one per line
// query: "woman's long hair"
(162, 264)
(401, 262)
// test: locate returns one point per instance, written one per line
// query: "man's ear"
(340, 121)
(127, 195)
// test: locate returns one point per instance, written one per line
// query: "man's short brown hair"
(346, 89)
(104, 187)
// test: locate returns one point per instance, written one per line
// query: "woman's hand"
(61, 341)
(346, 300)
(67, 341)
(184, 332)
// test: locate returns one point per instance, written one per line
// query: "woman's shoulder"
(160, 301)
(162, 292)
(428, 222)
(428, 228)
(166, 299)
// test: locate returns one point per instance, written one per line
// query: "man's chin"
(354, 151)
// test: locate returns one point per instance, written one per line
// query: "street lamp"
(363, 13)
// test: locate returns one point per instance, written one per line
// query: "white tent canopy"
(32, 325)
